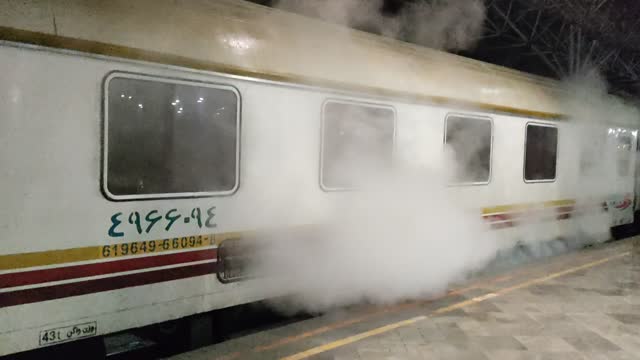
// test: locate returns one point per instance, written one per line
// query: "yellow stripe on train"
(137, 248)
(521, 207)
(108, 251)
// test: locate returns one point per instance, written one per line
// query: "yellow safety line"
(383, 329)
(373, 313)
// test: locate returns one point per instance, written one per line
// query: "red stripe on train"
(27, 296)
(103, 268)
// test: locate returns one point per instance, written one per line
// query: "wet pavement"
(582, 305)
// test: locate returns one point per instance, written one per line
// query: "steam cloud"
(405, 234)
(440, 24)
(595, 177)
(399, 237)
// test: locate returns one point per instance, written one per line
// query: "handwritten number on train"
(210, 216)
(145, 223)
(115, 221)
(172, 218)
(134, 218)
(197, 215)
(152, 219)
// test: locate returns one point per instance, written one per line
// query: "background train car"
(131, 150)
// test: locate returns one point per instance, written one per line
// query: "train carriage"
(140, 140)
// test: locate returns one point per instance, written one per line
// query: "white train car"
(136, 137)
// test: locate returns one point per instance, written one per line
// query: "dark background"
(556, 38)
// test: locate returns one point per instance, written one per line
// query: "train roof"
(243, 38)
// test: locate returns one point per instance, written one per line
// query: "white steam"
(591, 176)
(440, 24)
(400, 237)
(405, 234)
(402, 234)
(595, 176)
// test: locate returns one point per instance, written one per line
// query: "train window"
(470, 140)
(166, 138)
(623, 148)
(357, 140)
(541, 150)
(591, 154)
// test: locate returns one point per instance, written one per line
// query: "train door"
(620, 203)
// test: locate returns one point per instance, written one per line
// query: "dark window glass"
(357, 142)
(168, 138)
(470, 140)
(540, 154)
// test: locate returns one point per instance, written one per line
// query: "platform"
(583, 305)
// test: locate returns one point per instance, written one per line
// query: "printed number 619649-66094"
(152, 246)
(150, 219)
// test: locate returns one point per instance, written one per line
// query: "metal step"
(129, 346)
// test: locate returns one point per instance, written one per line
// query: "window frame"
(166, 80)
(322, 137)
(629, 170)
(444, 145)
(602, 145)
(524, 157)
